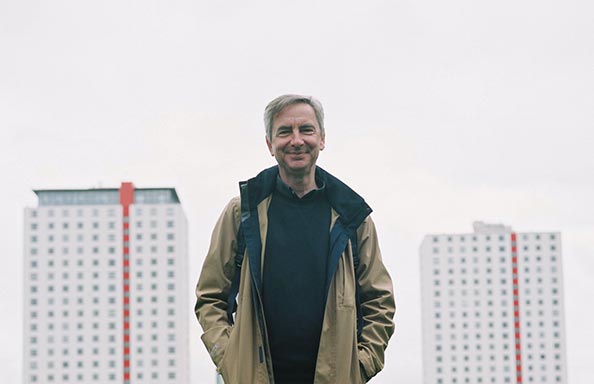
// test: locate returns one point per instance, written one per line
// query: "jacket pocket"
(223, 369)
(228, 365)
(367, 365)
(347, 280)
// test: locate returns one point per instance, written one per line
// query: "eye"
(308, 130)
(283, 132)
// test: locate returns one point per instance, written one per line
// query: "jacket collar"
(351, 207)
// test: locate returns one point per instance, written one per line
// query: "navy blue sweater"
(294, 280)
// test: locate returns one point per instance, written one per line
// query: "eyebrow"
(305, 125)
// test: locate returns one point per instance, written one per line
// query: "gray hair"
(277, 105)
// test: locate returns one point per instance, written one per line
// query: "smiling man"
(296, 140)
(299, 252)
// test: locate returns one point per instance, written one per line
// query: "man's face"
(296, 139)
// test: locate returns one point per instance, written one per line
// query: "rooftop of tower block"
(482, 227)
(104, 196)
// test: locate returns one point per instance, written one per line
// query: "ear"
(323, 143)
(269, 144)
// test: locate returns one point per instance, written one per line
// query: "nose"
(296, 139)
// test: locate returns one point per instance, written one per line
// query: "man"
(315, 302)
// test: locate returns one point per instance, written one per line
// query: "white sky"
(438, 113)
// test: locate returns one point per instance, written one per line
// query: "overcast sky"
(438, 112)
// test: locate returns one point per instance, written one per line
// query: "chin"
(299, 169)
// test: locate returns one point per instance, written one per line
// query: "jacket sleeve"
(215, 281)
(377, 301)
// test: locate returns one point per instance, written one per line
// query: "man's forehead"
(296, 112)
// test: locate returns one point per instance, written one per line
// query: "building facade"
(492, 307)
(105, 287)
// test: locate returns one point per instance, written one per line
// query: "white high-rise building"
(492, 306)
(105, 287)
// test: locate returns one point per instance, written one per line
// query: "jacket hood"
(350, 206)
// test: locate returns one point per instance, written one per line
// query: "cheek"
(279, 145)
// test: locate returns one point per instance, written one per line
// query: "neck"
(301, 184)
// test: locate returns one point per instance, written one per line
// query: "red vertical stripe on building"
(516, 290)
(126, 199)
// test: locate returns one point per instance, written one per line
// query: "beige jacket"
(240, 352)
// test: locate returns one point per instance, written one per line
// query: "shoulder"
(231, 216)
(366, 229)
(234, 203)
(233, 208)
(349, 205)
